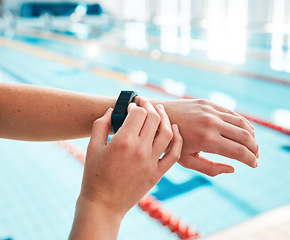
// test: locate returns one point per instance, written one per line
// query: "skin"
(35, 113)
(210, 128)
(107, 193)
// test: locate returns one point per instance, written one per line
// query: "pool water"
(40, 182)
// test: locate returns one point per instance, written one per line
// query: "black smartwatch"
(120, 110)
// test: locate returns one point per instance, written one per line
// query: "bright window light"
(280, 57)
(173, 87)
(135, 35)
(138, 77)
(227, 34)
(281, 117)
(223, 100)
(93, 50)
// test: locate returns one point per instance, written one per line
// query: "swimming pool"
(38, 191)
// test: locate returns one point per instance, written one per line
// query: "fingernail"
(160, 106)
(109, 110)
(137, 99)
(229, 170)
(132, 103)
(176, 127)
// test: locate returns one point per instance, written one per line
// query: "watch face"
(124, 99)
(120, 110)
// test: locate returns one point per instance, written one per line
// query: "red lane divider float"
(153, 208)
(268, 124)
(148, 204)
(250, 118)
(74, 150)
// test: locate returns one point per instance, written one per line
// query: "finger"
(237, 121)
(234, 150)
(239, 135)
(173, 155)
(152, 121)
(134, 120)
(204, 165)
(165, 133)
(250, 124)
(228, 111)
(100, 131)
(245, 119)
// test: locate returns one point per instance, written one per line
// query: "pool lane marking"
(59, 58)
(169, 58)
(49, 55)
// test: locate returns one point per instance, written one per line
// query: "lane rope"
(268, 124)
(148, 204)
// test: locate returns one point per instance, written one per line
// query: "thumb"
(204, 165)
(100, 131)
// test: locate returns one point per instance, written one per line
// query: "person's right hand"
(119, 173)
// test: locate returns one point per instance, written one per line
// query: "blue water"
(252, 95)
(38, 191)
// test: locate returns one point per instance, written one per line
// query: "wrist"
(99, 206)
(154, 102)
(94, 220)
(111, 102)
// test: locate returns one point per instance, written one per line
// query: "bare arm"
(40, 114)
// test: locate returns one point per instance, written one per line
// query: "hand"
(210, 128)
(119, 173)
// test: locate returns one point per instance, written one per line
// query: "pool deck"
(272, 225)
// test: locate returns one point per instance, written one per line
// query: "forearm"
(39, 113)
(93, 221)
(34, 113)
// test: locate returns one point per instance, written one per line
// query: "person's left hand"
(210, 128)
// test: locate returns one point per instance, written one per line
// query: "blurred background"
(232, 52)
